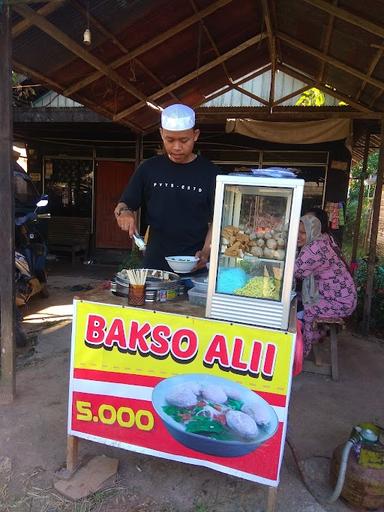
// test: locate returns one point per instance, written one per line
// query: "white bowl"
(182, 264)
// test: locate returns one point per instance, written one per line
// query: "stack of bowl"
(198, 294)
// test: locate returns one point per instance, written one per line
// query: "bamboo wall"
(380, 236)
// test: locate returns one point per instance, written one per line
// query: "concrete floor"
(322, 414)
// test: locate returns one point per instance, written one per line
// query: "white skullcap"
(177, 117)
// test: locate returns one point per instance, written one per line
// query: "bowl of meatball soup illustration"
(214, 415)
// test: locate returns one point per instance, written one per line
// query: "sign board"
(35, 176)
(189, 389)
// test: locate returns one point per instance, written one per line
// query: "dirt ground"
(33, 428)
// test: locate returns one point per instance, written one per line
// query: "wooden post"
(374, 232)
(138, 160)
(369, 226)
(272, 499)
(139, 151)
(72, 453)
(359, 210)
(7, 236)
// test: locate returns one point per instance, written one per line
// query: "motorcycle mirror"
(43, 202)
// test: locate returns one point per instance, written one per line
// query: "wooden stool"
(332, 368)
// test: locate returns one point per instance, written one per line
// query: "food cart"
(253, 249)
(202, 385)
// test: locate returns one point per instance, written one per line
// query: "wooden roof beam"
(231, 86)
(292, 95)
(253, 75)
(220, 92)
(344, 15)
(147, 46)
(327, 42)
(32, 73)
(46, 10)
(79, 51)
(371, 69)
(155, 78)
(108, 35)
(251, 95)
(323, 87)
(376, 97)
(272, 49)
(272, 7)
(211, 40)
(330, 60)
(203, 69)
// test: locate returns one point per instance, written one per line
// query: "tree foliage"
(312, 97)
(353, 198)
(21, 92)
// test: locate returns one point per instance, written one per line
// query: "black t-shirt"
(178, 201)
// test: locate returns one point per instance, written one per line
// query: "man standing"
(177, 190)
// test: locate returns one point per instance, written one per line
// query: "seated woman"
(328, 289)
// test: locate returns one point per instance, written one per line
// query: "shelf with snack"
(253, 249)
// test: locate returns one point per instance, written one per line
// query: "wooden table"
(180, 305)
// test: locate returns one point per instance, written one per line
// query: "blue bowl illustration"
(235, 444)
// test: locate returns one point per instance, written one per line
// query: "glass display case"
(254, 240)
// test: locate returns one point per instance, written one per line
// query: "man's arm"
(205, 252)
(126, 218)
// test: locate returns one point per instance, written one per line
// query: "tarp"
(306, 132)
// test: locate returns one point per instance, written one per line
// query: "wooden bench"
(318, 365)
(69, 234)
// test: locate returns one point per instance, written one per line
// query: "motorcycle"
(30, 256)
(30, 246)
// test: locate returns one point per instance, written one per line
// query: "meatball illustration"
(259, 414)
(214, 393)
(241, 424)
(182, 396)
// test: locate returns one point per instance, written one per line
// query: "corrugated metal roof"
(260, 86)
(53, 99)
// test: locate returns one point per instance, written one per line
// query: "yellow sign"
(183, 388)
(119, 339)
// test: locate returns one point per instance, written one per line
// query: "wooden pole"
(369, 225)
(359, 210)
(7, 236)
(139, 154)
(72, 453)
(271, 499)
(139, 150)
(374, 232)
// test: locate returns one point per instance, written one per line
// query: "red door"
(111, 178)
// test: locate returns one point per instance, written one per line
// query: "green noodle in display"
(263, 287)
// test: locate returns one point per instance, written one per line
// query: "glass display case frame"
(263, 312)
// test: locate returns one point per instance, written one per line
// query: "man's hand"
(203, 256)
(125, 219)
(205, 252)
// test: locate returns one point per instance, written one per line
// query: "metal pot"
(160, 285)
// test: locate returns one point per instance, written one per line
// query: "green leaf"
(205, 426)
(236, 405)
(176, 412)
